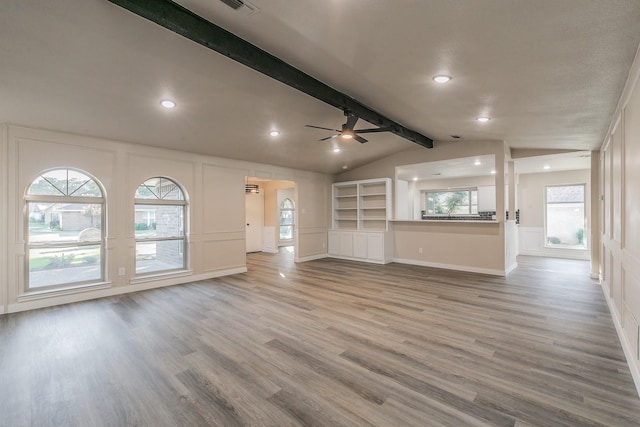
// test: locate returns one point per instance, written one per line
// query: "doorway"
(266, 221)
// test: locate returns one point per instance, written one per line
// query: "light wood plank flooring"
(326, 343)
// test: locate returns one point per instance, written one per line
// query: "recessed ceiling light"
(274, 133)
(493, 172)
(545, 167)
(345, 167)
(441, 78)
(336, 150)
(483, 119)
(415, 178)
(477, 162)
(167, 103)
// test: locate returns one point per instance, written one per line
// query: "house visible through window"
(565, 216)
(65, 242)
(160, 212)
(286, 220)
(457, 202)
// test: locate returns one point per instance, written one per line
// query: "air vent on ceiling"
(234, 4)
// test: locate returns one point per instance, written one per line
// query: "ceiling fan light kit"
(348, 131)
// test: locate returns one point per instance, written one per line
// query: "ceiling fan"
(348, 131)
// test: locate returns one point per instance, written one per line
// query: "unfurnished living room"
(338, 213)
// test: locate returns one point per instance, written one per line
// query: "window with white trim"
(159, 223)
(565, 216)
(286, 219)
(65, 239)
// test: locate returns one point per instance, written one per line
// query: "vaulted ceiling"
(547, 73)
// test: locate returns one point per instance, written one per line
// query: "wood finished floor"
(326, 343)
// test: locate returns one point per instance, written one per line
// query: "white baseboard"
(372, 261)
(49, 301)
(467, 268)
(311, 257)
(511, 268)
(628, 353)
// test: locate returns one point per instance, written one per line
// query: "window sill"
(67, 290)
(567, 247)
(151, 277)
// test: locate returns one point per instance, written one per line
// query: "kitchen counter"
(448, 221)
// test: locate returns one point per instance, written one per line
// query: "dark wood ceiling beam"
(182, 21)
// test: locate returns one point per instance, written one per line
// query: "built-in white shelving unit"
(361, 214)
(362, 205)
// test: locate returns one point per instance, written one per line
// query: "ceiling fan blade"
(328, 137)
(320, 127)
(351, 122)
(372, 130)
(360, 139)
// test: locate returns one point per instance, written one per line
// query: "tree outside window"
(458, 202)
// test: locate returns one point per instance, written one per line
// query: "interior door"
(254, 211)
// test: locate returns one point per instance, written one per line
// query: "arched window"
(286, 220)
(65, 243)
(160, 212)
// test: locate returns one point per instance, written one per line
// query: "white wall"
(467, 246)
(531, 202)
(215, 189)
(620, 220)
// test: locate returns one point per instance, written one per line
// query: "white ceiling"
(549, 73)
(556, 162)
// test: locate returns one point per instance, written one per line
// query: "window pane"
(83, 188)
(286, 217)
(159, 256)
(44, 188)
(474, 202)
(286, 232)
(159, 221)
(286, 204)
(64, 182)
(565, 216)
(565, 194)
(57, 266)
(64, 222)
(449, 203)
(159, 189)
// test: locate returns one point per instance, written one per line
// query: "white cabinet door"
(375, 246)
(487, 198)
(346, 244)
(365, 246)
(360, 245)
(334, 242)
